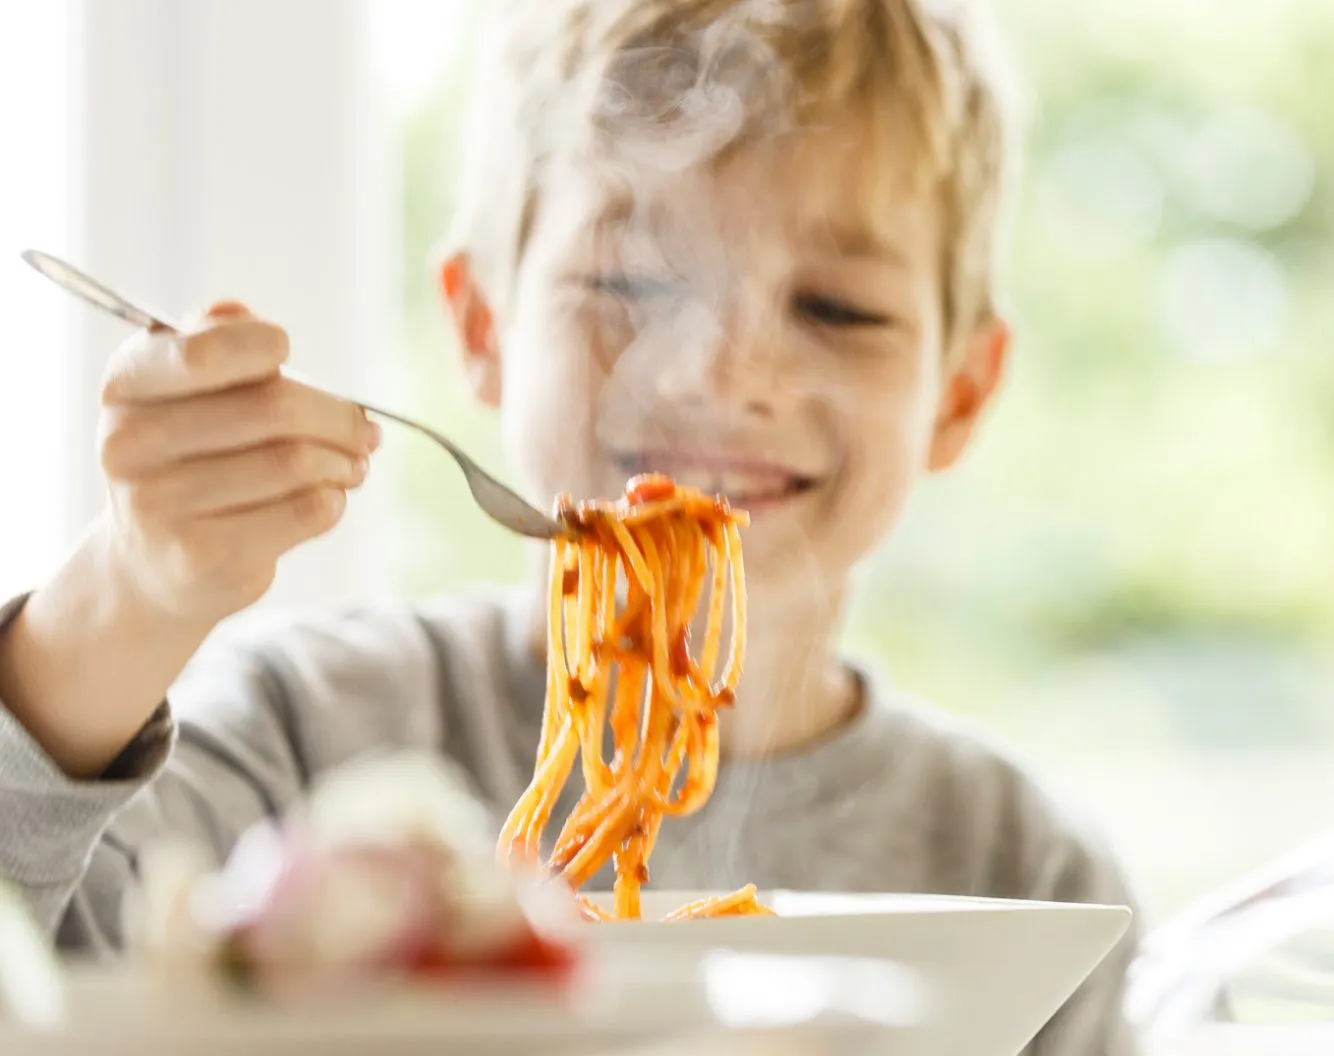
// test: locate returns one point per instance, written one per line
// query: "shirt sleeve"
(247, 725)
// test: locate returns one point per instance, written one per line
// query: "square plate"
(911, 975)
(991, 971)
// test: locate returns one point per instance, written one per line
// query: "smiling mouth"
(748, 484)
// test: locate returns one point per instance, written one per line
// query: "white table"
(1227, 1039)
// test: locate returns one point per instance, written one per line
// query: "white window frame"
(34, 181)
(240, 149)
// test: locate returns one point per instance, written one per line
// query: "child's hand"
(218, 464)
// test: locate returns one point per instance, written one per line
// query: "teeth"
(744, 486)
(705, 480)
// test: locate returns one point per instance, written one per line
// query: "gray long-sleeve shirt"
(903, 799)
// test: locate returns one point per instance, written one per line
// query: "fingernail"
(222, 309)
(376, 435)
(361, 467)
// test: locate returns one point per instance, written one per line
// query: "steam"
(675, 103)
(659, 113)
(663, 110)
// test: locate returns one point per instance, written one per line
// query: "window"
(35, 107)
(1131, 581)
(140, 153)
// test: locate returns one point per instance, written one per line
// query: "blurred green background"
(1131, 581)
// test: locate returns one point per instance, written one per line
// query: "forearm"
(86, 661)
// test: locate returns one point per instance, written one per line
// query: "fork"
(495, 500)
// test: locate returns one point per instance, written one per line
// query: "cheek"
(887, 441)
(883, 460)
(554, 374)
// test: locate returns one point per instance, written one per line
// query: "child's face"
(746, 329)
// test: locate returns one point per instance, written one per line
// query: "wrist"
(89, 658)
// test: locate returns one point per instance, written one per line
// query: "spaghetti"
(629, 669)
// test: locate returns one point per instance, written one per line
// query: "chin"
(785, 554)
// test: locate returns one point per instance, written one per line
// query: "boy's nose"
(737, 368)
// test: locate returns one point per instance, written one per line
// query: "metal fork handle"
(502, 504)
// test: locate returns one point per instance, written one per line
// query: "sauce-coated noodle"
(628, 669)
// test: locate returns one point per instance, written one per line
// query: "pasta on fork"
(628, 669)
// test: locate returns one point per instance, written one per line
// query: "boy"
(746, 245)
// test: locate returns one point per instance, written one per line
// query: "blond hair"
(556, 74)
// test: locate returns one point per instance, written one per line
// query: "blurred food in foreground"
(383, 873)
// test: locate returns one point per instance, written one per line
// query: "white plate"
(993, 971)
(636, 997)
(912, 976)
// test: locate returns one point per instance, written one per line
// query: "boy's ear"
(476, 327)
(969, 387)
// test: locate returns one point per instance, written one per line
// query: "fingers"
(214, 566)
(228, 347)
(218, 464)
(277, 527)
(246, 479)
(142, 438)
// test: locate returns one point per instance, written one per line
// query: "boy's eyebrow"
(851, 241)
(856, 242)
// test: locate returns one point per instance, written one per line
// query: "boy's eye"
(632, 287)
(830, 311)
